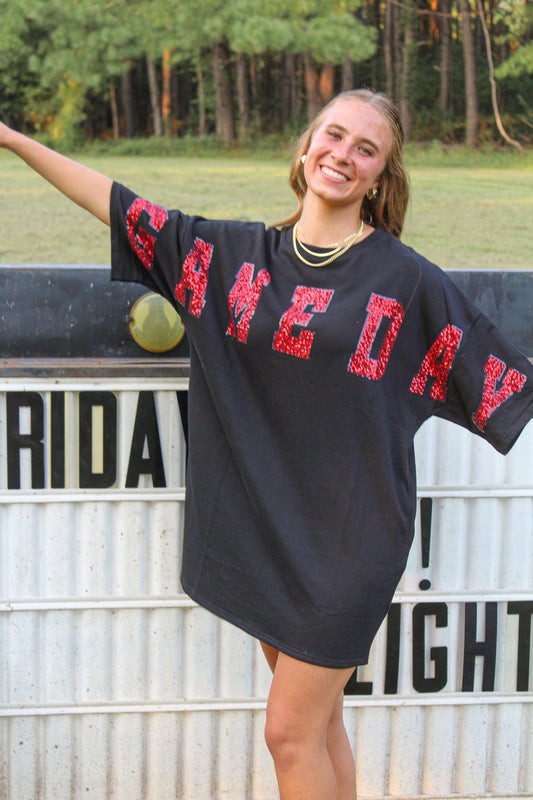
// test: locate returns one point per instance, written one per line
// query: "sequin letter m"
(142, 239)
(378, 308)
(194, 277)
(243, 300)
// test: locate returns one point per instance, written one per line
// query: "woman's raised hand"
(6, 134)
(86, 187)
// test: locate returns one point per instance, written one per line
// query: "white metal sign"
(95, 628)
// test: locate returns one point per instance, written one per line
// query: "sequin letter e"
(512, 382)
(304, 296)
(378, 307)
(142, 240)
(243, 300)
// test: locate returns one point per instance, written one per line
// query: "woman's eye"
(334, 135)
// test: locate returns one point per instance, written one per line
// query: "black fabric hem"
(513, 433)
(281, 646)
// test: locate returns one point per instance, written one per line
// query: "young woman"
(318, 348)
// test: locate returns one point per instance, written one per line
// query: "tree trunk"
(154, 96)
(126, 91)
(225, 125)
(407, 71)
(445, 28)
(388, 46)
(327, 82)
(243, 96)
(254, 93)
(166, 101)
(311, 87)
(285, 88)
(494, 93)
(114, 112)
(202, 117)
(347, 75)
(471, 103)
(296, 87)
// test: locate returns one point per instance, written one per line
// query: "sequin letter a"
(437, 364)
(512, 383)
(141, 239)
(243, 300)
(378, 308)
(194, 277)
(303, 297)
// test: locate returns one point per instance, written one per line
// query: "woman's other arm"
(86, 187)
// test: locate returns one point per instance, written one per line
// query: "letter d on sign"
(102, 475)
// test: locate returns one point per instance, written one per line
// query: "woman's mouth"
(333, 174)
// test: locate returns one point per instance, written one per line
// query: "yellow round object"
(155, 324)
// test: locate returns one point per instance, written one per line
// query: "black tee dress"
(307, 386)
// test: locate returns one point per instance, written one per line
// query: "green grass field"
(468, 210)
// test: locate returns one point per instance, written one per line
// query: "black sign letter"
(438, 655)
(106, 477)
(524, 609)
(145, 430)
(486, 649)
(17, 441)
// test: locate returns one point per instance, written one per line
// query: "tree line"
(459, 70)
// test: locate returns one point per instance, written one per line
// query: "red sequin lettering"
(142, 240)
(438, 363)
(243, 300)
(492, 399)
(378, 308)
(304, 296)
(194, 277)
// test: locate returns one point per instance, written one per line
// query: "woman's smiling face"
(347, 153)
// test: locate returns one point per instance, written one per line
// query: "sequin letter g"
(142, 239)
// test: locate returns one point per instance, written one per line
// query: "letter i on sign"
(426, 510)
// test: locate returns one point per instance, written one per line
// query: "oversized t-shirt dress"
(307, 386)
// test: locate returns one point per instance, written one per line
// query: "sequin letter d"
(378, 308)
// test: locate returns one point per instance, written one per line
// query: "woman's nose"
(341, 151)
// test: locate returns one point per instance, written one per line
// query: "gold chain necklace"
(329, 256)
(334, 245)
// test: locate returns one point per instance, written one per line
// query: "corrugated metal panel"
(114, 684)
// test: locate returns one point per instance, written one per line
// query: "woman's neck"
(326, 226)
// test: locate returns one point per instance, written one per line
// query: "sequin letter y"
(512, 382)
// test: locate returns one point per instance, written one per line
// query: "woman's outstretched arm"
(86, 187)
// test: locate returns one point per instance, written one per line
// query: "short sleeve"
(146, 242)
(490, 391)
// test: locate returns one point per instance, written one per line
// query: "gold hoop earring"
(372, 193)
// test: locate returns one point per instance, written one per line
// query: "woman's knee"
(284, 736)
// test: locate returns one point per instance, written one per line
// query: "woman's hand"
(86, 187)
(6, 135)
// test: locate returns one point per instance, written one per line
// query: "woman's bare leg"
(340, 752)
(305, 731)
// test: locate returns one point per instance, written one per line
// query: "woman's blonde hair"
(387, 209)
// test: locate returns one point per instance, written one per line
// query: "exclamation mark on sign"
(426, 509)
